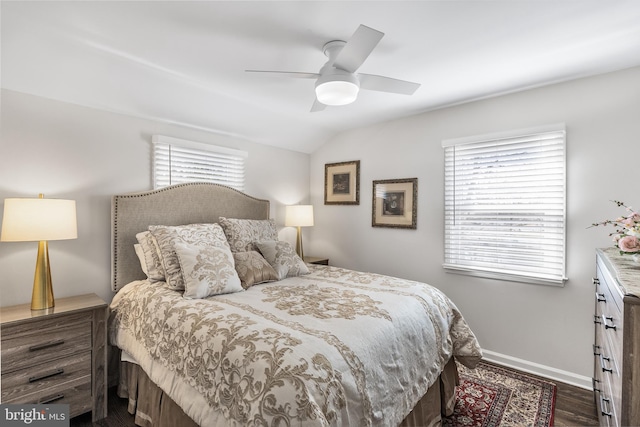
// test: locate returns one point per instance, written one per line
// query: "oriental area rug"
(494, 396)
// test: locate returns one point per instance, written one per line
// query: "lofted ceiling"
(184, 62)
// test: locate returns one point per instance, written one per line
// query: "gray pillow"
(283, 258)
(253, 269)
(243, 233)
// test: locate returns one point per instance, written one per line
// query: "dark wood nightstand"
(58, 355)
(316, 260)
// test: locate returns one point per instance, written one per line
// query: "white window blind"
(505, 205)
(177, 161)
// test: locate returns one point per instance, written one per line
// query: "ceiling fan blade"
(317, 106)
(294, 74)
(387, 84)
(358, 48)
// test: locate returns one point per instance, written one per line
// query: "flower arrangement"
(627, 230)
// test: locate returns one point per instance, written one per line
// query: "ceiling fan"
(337, 82)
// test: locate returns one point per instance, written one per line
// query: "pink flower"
(629, 244)
(631, 219)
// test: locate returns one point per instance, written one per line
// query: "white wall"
(67, 151)
(549, 326)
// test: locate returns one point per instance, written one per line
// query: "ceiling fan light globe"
(337, 91)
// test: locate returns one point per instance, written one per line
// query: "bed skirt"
(152, 408)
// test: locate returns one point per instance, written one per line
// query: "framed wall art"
(395, 203)
(342, 183)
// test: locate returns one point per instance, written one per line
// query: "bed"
(300, 344)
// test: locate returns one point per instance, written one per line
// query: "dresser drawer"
(607, 285)
(610, 340)
(47, 380)
(44, 341)
(611, 385)
(609, 312)
(606, 408)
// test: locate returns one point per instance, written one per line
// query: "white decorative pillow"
(253, 269)
(140, 254)
(283, 258)
(243, 233)
(151, 252)
(207, 270)
(200, 235)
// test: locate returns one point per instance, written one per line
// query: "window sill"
(505, 276)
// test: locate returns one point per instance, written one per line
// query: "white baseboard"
(538, 369)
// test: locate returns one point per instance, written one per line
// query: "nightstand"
(316, 260)
(58, 355)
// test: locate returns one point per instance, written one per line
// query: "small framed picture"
(342, 183)
(395, 203)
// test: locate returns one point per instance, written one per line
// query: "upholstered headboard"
(175, 205)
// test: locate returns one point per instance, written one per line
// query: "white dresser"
(616, 380)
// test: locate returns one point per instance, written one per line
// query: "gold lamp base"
(42, 296)
(299, 250)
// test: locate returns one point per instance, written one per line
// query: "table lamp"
(299, 216)
(39, 220)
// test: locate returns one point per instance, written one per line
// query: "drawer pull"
(593, 384)
(606, 325)
(595, 281)
(50, 374)
(600, 298)
(51, 399)
(596, 350)
(596, 319)
(46, 345)
(602, 362)
(604, 400)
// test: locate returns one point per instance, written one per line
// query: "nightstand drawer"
(77, 397)
(48, 380)
(45, 341)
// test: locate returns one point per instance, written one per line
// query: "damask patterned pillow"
(243, 233)
(283, 258)
(200, 235)
(151, 252)
(253, 269)
(207, 270)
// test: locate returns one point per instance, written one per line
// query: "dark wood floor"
(117, 414)
(574, 407)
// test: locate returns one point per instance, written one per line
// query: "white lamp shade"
(337, 89)
(29, 220)
(299, 216)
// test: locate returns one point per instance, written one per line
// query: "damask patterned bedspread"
(334, 347)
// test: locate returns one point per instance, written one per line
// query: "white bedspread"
(335, 347)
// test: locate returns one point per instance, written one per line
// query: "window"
(505, 205)
(176, 161)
